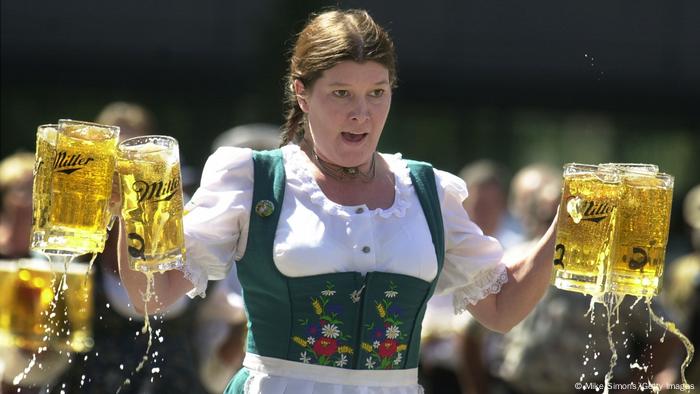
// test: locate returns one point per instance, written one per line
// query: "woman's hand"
(115, 200)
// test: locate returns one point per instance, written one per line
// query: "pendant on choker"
(344, 173)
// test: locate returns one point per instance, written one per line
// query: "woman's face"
(347, 108)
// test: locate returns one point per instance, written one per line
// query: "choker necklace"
(341, 173)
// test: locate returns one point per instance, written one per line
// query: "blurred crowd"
(200, 342)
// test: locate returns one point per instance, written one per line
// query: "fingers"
(115, 201)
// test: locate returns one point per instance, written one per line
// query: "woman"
(339, 247)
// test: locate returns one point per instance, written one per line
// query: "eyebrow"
(343, 84)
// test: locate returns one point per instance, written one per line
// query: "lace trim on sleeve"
(198, 278)
(485, 283)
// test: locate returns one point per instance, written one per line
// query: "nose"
(360, 110)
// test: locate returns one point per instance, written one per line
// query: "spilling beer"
(613, 229)
(47, 303)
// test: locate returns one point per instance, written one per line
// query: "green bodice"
(343, 320)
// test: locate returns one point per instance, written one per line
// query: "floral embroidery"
(325, 343)
(388, 340)
(303, 358)
(330, 331)
(342, 361)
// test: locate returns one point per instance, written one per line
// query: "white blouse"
(345, 238)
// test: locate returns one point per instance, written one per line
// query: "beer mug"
(637, 259)
(78, 159)
(49, 309)
(588, 214)
(8, 277)
(149, 172)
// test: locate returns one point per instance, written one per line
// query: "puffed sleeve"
(216, 218)
(473, 267)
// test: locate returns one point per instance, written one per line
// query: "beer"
(149, 171)
(41, 191)
(81, 171)
(50, 308)
(587, 219)
(638, 258)
(8, 276)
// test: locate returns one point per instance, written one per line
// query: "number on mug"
(561, 249)
(638, 259)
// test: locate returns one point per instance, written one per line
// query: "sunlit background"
(516, 82)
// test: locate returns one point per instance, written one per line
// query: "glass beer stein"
(49, 308)
(587, 218)
(637, 260)
(72, 186)
(8, 278)
(152, 206)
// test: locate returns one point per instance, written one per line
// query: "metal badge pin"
(264, 208)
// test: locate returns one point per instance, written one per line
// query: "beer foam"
(87, 132)
(48, 134)
(150, 151)
(147, 148)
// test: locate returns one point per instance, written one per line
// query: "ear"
(300, 93)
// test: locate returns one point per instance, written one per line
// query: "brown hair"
(328, 39)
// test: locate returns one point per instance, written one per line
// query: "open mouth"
(353, 137)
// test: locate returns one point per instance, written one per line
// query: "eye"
(377, 93)
(341, 93)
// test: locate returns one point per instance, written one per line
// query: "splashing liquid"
(612, 303)
(87, 273)
(51, 312)
(670, 326)
(150, 284)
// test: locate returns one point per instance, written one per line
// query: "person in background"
(16, 199)
(221, 321)
(119, 343)
(16, 175)
(134, 120)
(256, 136)
(682, 288)
(534, 196)
(486, 204)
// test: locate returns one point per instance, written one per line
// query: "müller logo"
(156, 191)
(69, 164)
